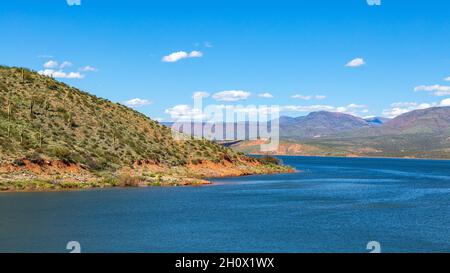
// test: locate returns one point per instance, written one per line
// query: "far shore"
(362, 157)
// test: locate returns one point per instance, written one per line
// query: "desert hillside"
(49, 130)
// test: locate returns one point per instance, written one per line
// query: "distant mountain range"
(316, 124)
(435, 121)
(421, 133)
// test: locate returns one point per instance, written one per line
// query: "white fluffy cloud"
(74, 75)
(307, 108)
(447, 79)
(176, 56)
(265, 95)
(352, 109)
(73, 2)
(214, 113)
(399, 108)
(405, 107)
(445, 102)
(88, 68)
(302, 97)
(54, 64)
(53, 69)
(374, 2)
(65, 64)
(438, 90)
(137, 102)
(195, 54)
(356, 62)
(231, 95)
(61, 74)
(185, 112)
(51, 64)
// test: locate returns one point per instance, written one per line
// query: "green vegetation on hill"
(58, 134)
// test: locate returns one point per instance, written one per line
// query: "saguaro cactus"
(31, 107)
(9, 113)
(21, 129)
(46, 107)
(40, 137)
(9, 110)
(64, 99)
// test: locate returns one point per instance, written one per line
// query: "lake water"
(333, 205)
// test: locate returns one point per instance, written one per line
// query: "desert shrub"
(196, 161)
(69, 185)
(27, 76)
(267, 159)
(110, 181)
(35, 158)
(61, 109)
(128, 181)
(96, 164)
(64, 154)
(3, 87)
(18, 162)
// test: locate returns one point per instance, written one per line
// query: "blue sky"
(299, 52)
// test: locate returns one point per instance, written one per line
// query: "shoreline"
(90, 185)
(294, 170)
(202, 180)
(103, 186)
(363, 157)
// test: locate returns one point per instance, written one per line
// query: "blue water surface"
(331, 205)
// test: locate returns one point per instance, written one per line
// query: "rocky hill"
(435, 120)
(55, 133)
